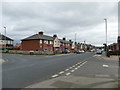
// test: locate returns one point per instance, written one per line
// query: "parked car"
(79, 51)
(82, 51)
(99, 52)
(58, 51)
(66, 51)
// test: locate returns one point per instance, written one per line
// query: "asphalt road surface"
(20, 71)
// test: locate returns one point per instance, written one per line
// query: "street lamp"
(106, 35)
(5, 38)
(106, 29)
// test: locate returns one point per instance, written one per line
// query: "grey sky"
(86, 19)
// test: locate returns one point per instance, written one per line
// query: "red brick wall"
(65, 47)
(47, 46)
(35, 45)
(31, 45)
(1, 46)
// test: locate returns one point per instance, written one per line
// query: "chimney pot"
(41, 33)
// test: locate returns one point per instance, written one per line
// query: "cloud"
(65, 19)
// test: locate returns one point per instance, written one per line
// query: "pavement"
(86, 76)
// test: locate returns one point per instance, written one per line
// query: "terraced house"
(5, 41)
(41, 42)
(65, 45)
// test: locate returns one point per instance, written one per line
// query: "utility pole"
(106, 36)
(75, 37)
(5, 38)
(84, 45)
(75, 42)
(106, 29)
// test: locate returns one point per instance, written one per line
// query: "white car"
(99, 52)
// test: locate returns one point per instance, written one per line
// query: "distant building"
(17, 46)
(5, 41)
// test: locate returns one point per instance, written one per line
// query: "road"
(22, 70)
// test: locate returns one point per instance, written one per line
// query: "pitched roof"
(3, 37)
(64, 41)
(44, 37)
(38, 37)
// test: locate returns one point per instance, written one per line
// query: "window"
(46, 42)
(46, 49)
(40, 41)
(66, 44)
(51, 49)
(55, 42)
(51, 42)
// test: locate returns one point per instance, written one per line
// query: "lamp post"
(106, 34)
(5, 38)
(106, 29)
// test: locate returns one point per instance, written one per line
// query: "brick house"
(65, 45)
(38, 42)
(113, 47)
(5, 41)
(110, 47)
(41, 42)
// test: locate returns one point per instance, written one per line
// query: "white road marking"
(68, 74)
(54, 75)
(72, 70)
(102, 75)
(105, 66)
(66, 69)
(76, 64)
(2, 60)
(61, 72)
(79, 63)
(83, 63)
(96, 55)
(76, 68)
(70, 67)
(73, 66)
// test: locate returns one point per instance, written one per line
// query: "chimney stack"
(41, 33)
(75, 43)
(63, 38)
(55, 35)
